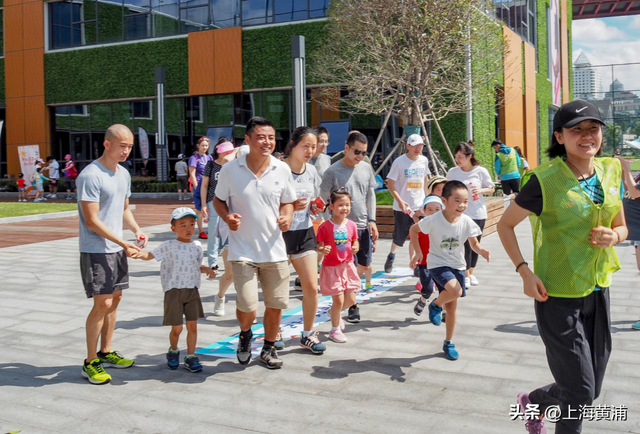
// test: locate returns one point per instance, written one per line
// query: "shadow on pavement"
(24, 375)
(386, 366)
(524, 327)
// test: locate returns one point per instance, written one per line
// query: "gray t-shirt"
(357, 180)
(306, 184)
(97, 184)
(181, 168)
(321, 164)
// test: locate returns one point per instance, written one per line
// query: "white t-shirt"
(243, 150)
(409, 180)
(306, 184)
(180, 264)
(54, 172)
(257, 200)
(478, 177)
(446, 240)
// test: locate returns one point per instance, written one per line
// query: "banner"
(28, 156)
(553, 26)
(143, 139)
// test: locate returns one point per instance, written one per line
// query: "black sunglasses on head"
(358, 152)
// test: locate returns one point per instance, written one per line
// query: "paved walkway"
(390, 377)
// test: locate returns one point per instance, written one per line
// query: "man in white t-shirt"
(407, 183)
(54, 174)
(255, 196)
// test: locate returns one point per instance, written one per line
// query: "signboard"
(28, 156)
(143, 140)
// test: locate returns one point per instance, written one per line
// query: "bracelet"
(521, 264)
(372, 221)
(617, 242)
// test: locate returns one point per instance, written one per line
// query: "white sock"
(305, 334)
(333, 329)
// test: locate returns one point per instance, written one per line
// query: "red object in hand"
(141, 240)
(319, 203)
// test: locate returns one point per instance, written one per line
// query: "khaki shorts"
(273, 277)
(179, 302)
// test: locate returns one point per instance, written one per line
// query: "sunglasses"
(358, 152)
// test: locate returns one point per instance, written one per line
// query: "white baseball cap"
(415, 139)
(183, 211)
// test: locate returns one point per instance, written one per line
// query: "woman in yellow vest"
(574, 201)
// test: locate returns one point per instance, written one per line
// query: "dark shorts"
(183, 183)
(402, 224)
(182, 302)
(365, 254)
(104, 273)
(511, 185)
(197, 200)
(300, 241)
(71, 184)
(53, 181)
(442, 275)
(426, 281)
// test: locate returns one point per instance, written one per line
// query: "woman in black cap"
(575, 205)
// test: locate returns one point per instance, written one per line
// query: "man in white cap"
(407, 183)
(182, 176)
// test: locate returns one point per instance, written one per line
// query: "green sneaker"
(113, 359)
(368, 286)
(95, 373)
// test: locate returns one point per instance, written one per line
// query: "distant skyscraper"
(587, 82)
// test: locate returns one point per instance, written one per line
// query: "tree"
(411, 57)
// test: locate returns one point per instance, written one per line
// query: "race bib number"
(414, 185)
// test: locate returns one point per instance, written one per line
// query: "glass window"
(255, 12)
(225, 13)
(141, 110)
(165, 18)
(66, 30)
(194, 19)
(220, 110)
(318, 8)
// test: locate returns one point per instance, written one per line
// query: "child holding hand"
(338, 242)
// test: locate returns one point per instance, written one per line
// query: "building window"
(141, 110)
(84, 22)
(73, 110)
(519, 16)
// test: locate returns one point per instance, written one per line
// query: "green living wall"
(114, 72)
(266, 53)
(2, 94)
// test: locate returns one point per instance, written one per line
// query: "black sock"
(268, 344)
(101, 354)
(246, 335)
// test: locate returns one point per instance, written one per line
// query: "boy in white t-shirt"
(180, 276)
(448, 230)
(407, 183)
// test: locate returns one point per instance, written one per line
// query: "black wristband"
(521, 264)
(372, 221)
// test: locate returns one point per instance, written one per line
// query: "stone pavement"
(391, 377)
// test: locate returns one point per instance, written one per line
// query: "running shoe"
(419, 307)
(473, 280)
(95, 373)
(450, 351)
(388, 264)
(269, 356)
(297, 285)
(68, 198)
(279, 343)
(368, 286)
(467, 282)
(313, 343)
(435, 313)
(353, 315)
(337, 336)
(203, 236)
(535, 426)
(192, 363)
(218, 308)
(113, 359)
(244, 349)
(173, 359)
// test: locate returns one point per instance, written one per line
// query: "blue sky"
(611, 40)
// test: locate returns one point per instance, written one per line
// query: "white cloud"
(635, 23)
(594, 30)
(607, 53)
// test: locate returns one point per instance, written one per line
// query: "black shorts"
(300, 241)
(53, 181)
(104, 273)
(511, 185)
(183, 183)
(365, 254)
(426, 281)
(402, 225)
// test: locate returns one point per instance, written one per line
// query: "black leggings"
(471, 257)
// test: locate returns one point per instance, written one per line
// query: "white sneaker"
(218, 309)
(467, 282)
(53, 196)
(474, 280)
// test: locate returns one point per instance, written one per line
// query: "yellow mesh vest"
(564, 259)
(509, 162)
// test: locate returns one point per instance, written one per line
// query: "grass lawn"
(15, 209)
(636, 164)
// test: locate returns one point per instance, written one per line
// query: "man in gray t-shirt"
(358, 179)
(104, 188)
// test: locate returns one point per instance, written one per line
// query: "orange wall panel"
(13, 28)
(15, 120)
(13, 160)
(227, 60)
(513, 99)
(34, 72)
(14, 74)
(33, 13)
(201, 64)
(34, 119)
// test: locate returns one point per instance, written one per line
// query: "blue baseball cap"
(183, 211)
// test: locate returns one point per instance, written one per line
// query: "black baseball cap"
(574, 112)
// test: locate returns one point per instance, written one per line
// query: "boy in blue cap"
(180, 276)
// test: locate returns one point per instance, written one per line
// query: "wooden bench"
(495, 209)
